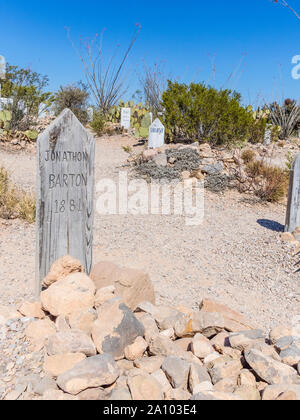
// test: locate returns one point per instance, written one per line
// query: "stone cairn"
(102, 338)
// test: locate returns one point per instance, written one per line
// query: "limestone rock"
(133, 285)
(272, 392)
(115, 328)
(93, 372)
(150, 326)
(280, 332)
(224, 368)
(83, 320)
(136, 349)
(268, 369)
(163, 346)
(8, 312)
(62, 324)
(32, 310)
(215, 396)
(39, 331)
(149, 364)
(93, 394)
(58, 364)
(227, 385)
(145, 387)
(71, 294)
(178, 394)
(61, 269)
(161, 378)
(248, 393)
(73, 341)
(198, 374)
(177, 371)
(45, 384)
(234, 321)
(104, 294)
(244, 339)
(57, 395)
(201, 346)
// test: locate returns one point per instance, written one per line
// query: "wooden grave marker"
(65, 192)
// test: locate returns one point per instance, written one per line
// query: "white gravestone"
(125, 118)
(268, 137)
(65, 190)
(293, 207)
(156, 135)
(90, 113)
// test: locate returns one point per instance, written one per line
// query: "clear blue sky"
(183, 34)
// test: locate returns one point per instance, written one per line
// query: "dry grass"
(248, 156)
(15, 203)
(271, 183)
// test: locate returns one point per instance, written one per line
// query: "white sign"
(125, 118)
(156, 135)
(2, 67)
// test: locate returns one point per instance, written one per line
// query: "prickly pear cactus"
(140, 117)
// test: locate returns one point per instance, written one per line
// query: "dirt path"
(235, 256)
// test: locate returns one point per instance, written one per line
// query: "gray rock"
(268, 369)
(284, 343)
(198, 374)
(291, 355)
(161, 159)
(73, 341)
(45, 384)
(93, 372)
(215, 169)
(116, 328)
(177, 371)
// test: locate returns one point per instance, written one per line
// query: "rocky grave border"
(102, 337)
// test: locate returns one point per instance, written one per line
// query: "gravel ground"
(235, 256)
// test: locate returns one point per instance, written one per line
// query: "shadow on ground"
(271, 225)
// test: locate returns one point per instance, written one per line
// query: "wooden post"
(293, 207)
(65, 192)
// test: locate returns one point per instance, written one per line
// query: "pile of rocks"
(102, 337)
(219, 168)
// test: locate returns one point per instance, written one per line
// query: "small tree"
(75, 97)
(105, 78)
(26, 91)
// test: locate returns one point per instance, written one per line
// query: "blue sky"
(185, 35)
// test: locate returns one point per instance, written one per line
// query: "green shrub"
(25, 88)
(98, 123)
(200, 113)
(75, 97)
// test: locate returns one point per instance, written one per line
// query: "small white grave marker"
(293, 207)
(90, 113)
(125, 118)
(65, 190)
(156, 135)
(268, 137)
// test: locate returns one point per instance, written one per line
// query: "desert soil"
(235, 257)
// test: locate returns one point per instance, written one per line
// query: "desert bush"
(15, 203)
(75, 97)
(248, 155)
(270, 182)
(98, 123)
(200, 113)
(26, 90)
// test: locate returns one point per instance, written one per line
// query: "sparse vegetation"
(15, 203)
(248, 156)
(270, 182)
(75, 98)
